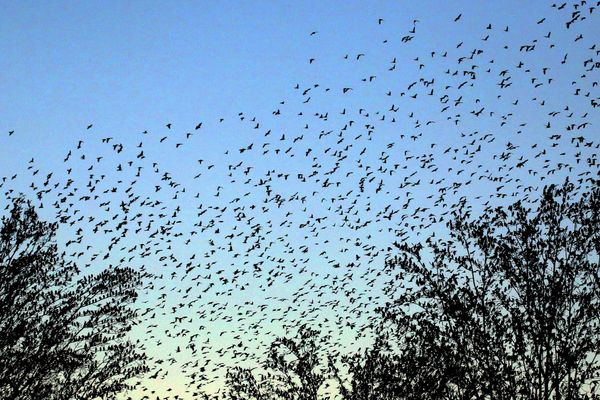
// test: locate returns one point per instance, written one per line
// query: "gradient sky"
(127, 67)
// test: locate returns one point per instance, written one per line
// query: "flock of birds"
(293, 221)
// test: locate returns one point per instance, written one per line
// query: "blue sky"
(130, 67)
(133, 64)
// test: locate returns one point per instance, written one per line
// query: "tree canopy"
(63, 334)
(506, 306)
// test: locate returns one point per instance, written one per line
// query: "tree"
(506, 307)
(292, 372)
(62, 335)
(373, 373)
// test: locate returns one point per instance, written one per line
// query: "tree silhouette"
(62, 334)
(506, 307)
(293, 371)
(373, 373)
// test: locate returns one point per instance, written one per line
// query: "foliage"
(292, 372)
(507, 307)
(62, 335)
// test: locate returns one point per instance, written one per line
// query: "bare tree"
(292, 371)
(506, 307)
(62, 335)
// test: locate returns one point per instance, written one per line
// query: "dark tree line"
(62, 333)
(507, 306)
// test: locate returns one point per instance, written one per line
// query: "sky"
(141, 64)
(132, 67)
